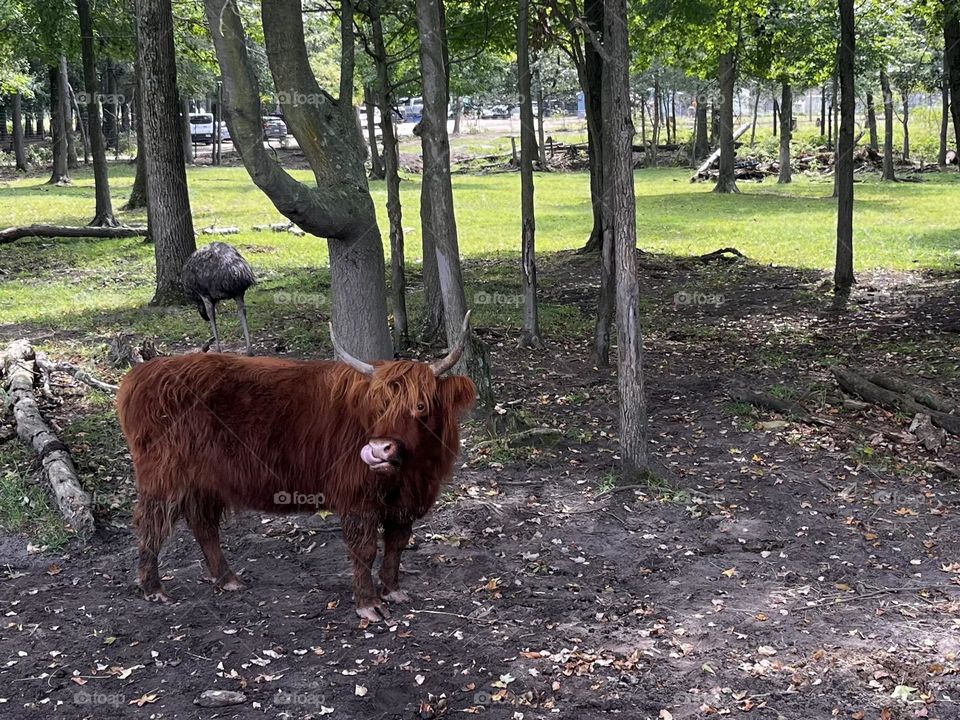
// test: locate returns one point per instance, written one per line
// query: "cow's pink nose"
(379, 454)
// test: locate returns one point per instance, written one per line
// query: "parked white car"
(201, 127)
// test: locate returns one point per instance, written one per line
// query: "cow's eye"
(421, 407)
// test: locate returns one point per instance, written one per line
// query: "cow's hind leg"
(153, 520)
(203, 516)
(360, 536)
(396, 535)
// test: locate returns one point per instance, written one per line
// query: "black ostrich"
(217, 272)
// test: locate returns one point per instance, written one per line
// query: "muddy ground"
(771, 569)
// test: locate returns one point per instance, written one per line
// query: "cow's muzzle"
(381, 455)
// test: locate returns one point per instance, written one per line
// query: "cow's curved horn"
(339, 352)
(439, 367)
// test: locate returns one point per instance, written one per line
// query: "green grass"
(898, 226)
(25, 506)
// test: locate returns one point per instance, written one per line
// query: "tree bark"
(138, 193)
(727, 181)
(169, 217)
(19, 150)
(944, 123)
(951, 59)
(786, 132)
(872, 121)
(618, 143)
(541, 135)
(376, 165)
(530, 331)
(438, 214)
(457, 114)
(753, 123)
(590, 84)
(905, 98)
(655, 130)
(103, 215)
(701, 145)
(846, 59)
(888, 169)
(339, 207)
(823, 112)
(58, 122)
(398, 285)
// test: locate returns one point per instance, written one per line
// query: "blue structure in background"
(581, 106)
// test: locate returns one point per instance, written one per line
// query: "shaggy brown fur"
(212, 432)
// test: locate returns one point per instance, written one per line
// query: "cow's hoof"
(230, 583)
(373, 613)
(158, 597)
(397, 596)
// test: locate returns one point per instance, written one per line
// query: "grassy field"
(898, 226)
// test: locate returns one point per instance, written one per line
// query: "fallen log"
(720, 254)
(12, 234)
(77, 373)
(917, 392)
(766, 401)
(19, 368)
(715, 155)
(860, 386)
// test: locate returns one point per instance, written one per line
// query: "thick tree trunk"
(530, 331)
(169, 217)
(339, 206)
(590, 83)
(621, 230)
(905, 98)
(376, 165)
(846, 59)
(401, 331)
(58, 122)
(701, 145)
(786, 132)
(888, 169)
(951, 59)
(19, 150)
(727, 181)
(438, 214)
(872, 121)
(944, 124)
(103, 215)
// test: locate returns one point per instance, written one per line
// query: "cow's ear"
(458, 393)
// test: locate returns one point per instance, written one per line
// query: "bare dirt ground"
(770, 570)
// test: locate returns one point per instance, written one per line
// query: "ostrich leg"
(242, 309)
(212, 314)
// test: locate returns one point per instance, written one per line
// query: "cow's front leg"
(396, 535)
(360, 536)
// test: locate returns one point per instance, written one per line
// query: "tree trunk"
(541, 135)
(438, 213)
(138, 193)
(727, 182)
(701, 145)
(823, 113)
(338, 206)
(944, 123)
(786, 132)
(714, 123)
(753, 124)
(58, 122)
(103, 215)
(590, 83)
(655, 132)
(905, 97)
(186, 133)
(109, 109)
(169, 219)
(530, 332)
(401, 331)
(951, 59)
(776, 116)
(888, 170)
(19, 150)
(872, 121)
(457, 114)
(376, 165)
(71, 120)
(846, 59)
(620, 227)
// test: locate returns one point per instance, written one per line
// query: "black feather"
(217, 272)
